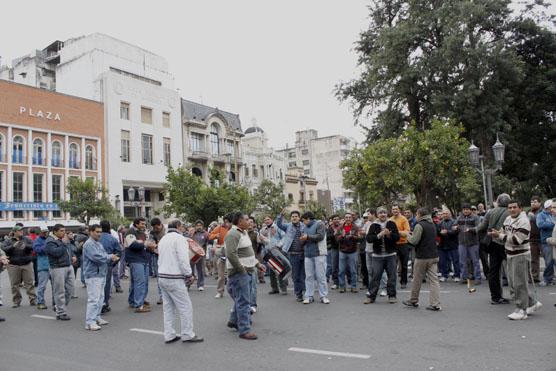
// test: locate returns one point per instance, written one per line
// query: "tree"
(316, 208)
(84, 203)
(430, 164)
(270, 197)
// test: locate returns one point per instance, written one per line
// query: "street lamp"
(476, 159)
(141, 192)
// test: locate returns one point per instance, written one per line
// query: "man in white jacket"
(174, 271)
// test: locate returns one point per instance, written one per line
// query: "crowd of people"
(380, 251)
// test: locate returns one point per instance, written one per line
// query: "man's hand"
(386, 232)
(114, 258)
(494, 233)
(303, 237)
(444, 231)
(189, 280)
(4, 260)
(262, 268)
(73, 259)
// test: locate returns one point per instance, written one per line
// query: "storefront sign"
(17, 206)
(47, 115)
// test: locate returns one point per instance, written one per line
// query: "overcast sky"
(274, 61)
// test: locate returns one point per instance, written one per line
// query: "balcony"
(198, 155)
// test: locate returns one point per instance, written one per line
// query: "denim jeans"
(238, 288)
(348, 260)
(379, 265)
(328, 264)
(199, 269)
(116, 276)
(335, 261)
(44, 276)
(298, 273)
(139, 285)
(108, 285)
(471, 252)
(449, 258)
(122, 264)
(253, 288)
(95, 298)
(548, 274)
(315, 271)
(154, 264)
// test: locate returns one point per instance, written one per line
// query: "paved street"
(469, 334)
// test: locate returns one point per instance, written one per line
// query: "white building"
(142, 111)
(320, 158)
(260, 161)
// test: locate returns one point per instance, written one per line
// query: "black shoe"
(435, 308)
(299, 299)
(273, 292)
(500, 301)
(16, 305)
(403, 286)
(2, 319)
(194, 339)
(105, 309)
(63, 317)
(119, 290)
(176, 338)
(410, 304)
(232, 325)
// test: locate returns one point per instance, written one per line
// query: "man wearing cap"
(19, 250)
(39, 246)
(545, 222)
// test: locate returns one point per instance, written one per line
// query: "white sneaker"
(325, 300)
(456, 279)
(333, 287)
(102, 322)
(382, 293)
(518, 315)
(533, 308)
(93, 327)
(201, 288)
(442, 279)
(439, 274)
(219, 296)
(253, 310)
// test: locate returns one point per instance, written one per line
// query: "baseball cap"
(44, 228)
(547, 204)
(17, 228)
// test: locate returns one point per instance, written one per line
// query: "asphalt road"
(469, 334)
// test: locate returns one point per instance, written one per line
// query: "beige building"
(299, 188)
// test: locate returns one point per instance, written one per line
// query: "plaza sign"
(47, 115)
(17, 206)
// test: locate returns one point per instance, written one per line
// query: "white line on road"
(43, 317)
(425, 291)
(552, 293)
(146, 331)
(328, 353)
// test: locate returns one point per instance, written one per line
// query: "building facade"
(299, 188)
(45, 139)
(260, 161)
(211, 141)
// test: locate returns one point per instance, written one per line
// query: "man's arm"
(544, 221)
(415, 238)
(213, 235)
(484, 225)
(280, 224)
(394, 233)
(231, 242)
(99, 256)
(54, 250)
(319, 235)
(183, 256)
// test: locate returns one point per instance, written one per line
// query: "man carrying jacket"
(19, 250)
(426, 261)
(60, 257)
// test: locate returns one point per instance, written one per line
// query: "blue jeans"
(548, 274)
(139, 285)
(199, 270)
(108, 285)
(335, 262)
(298, 273)
(95, 298)
(349, 260)
(253, 288)
(238, 288)
(472, 252)
(116, 275)
(448, 258)
(315, 271)
(328, 264)
(154, 264)
(379, 265)
(44, 276)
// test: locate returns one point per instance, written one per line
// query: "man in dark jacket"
(383, 235)
(60, 257)
(112, 247)
(426, 260)
(348, 239)
(137, 257)
(333, 251)
(494, 219)
(535, 237)
(448, 247)
(468, 243)
(19, 250)
(315, 258)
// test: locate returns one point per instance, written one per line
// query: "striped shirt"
(515, 235)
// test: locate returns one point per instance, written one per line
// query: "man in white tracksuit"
(173, 272)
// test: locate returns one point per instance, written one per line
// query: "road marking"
(328, 353)
(146, 331)
(425, 291)
(552, 293)
(43, 317)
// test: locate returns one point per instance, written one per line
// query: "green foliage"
(84, 203)
(189, 198)
(430, 164)
(270, 197)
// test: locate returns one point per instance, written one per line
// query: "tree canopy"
(85, 203)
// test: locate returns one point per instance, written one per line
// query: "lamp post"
(141, 195)
(477, 160)
(141, 192)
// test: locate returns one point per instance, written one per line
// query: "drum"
(196, 252)
(278, 262)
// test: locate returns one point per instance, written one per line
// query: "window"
(255, 174)
(125, 146)
(74, 156)
(17, 192)
(230, 147)
(1, 148)
(1, 189)
(214, 139)
(90, 158)
(196, 142)
(38, 152)
(305, 162)
(311, 195)
(56, 154)
(146, 115)
(291, 155)
(307, 172)
(124, 111)
(301, 196)
(167, 149)
(166, 119)
(290, 197)
(147, 148)
(292, 164)
(17, 153)
(304, 151)
(37, 187)
(262, 171)
(246, 171)
(57, 193)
